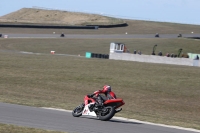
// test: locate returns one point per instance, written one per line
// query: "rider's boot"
(98, 105)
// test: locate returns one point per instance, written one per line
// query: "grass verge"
(80, 46)
(5, 128)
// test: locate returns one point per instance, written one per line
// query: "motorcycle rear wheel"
(77, 112)
(107, 114)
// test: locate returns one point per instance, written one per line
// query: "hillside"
(33, 15)
(56, 17)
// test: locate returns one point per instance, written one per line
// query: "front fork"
(82, 105)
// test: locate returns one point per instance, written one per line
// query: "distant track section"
(98, 36)
(61, 26)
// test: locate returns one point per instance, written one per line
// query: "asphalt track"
(99, 36)
(64, 121)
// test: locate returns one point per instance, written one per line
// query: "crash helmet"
(106, 88)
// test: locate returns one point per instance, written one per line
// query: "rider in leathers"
(107, 91)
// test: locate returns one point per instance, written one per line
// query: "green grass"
(5, 128)
(80, 46)
(167, 94)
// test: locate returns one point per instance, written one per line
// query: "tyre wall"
(96, 55)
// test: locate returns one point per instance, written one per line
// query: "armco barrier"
(62, 27)
(47, 26)
(111, 26)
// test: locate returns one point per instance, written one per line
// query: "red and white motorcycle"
(104, 112)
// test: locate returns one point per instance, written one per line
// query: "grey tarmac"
(100, 36)
(64, 121)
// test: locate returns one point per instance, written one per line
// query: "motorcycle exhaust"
(118, 110)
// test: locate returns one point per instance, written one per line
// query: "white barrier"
(154, 59)
(5, 36)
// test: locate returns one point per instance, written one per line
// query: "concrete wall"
(154, 59)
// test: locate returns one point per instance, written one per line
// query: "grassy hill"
(32, 15)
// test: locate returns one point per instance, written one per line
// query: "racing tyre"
(77, 112)
(107, 113)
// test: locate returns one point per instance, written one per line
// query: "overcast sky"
(180, 11)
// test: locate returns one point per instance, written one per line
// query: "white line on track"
(134, 120)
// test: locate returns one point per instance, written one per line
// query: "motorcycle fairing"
(87, 112)
(115, 102)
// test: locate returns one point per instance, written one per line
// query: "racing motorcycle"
(104, 112)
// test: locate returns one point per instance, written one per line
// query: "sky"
(176, 11)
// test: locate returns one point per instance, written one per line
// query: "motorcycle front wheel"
(107, 113)
(77, 112)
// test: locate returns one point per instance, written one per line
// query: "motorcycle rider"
(108, 93)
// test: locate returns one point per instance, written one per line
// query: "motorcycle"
(104, 112)
(62, 35)
(157, 35)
